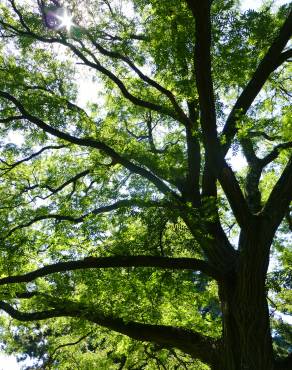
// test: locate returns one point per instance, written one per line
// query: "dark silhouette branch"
(285, 56)
(69, 344)
(10, 119)
(192, 188)
(264, 135)
(201, 11)
(279, 200)
(10, 166)
(195, 344)
(275, 153)
(116, 261)
(70, 105)
(66, 183)
(234, 195)
(215, 165)
(89, 142)
(58, 217)
(255, 169)
(119, 83)
(253, 194)
(221, 252)
(289, 219)
(116, 55)
(272, 60)
(98, 66)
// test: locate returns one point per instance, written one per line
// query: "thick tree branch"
(269, 63)
(280, 198)
(195, 344)
(194, 156)
(89, 142)
(275, 153)
(220, 252)
(218, 249)
(215, 165)
(234, 195)
(253, 194)
(264, 135)
(256, 166)
(116, 261)
(285, 56)
(201, 11)
(289, 219)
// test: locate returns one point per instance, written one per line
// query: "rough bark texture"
(247, 342)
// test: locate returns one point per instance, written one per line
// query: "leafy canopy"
(127, 175)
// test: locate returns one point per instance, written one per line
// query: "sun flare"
(66, 20)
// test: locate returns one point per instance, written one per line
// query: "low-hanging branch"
(197, 345)
(91, 262)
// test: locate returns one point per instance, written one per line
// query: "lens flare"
(66, 20)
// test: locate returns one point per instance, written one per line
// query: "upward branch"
(280, 198)
(215, 165)
(269, 63)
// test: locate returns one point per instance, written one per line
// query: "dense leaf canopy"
(126, 226)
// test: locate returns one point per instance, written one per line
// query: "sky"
(86, 93)
(255, 4)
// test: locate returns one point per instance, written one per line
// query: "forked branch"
(215, 165)
(272, 60)
(280, 198)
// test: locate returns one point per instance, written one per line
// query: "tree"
(126, 216)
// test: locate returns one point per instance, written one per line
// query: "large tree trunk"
(247, 342)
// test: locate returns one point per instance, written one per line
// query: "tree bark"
(246, 339)
(246, 343)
